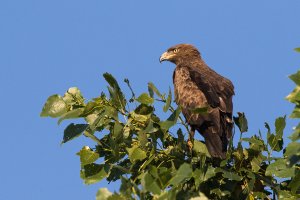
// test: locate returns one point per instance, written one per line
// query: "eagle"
(197, 86)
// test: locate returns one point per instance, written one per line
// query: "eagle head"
(180, 53)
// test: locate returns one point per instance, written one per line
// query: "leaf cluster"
(150, 157)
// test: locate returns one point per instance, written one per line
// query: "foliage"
(150, 156)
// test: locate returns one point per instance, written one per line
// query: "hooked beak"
(164, 56)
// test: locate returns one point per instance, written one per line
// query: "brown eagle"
(198, 86)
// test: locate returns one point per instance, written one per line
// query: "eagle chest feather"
(188, 95)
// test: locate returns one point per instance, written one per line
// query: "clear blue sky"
(48, 46)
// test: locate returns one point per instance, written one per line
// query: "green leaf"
(180, 140)
(275, 142)
(117, 197)
(149, 184)
(54, 107)
(256, 162)
(241, 122)
(145, 99)
(117, 130)
(296, 112)
(296, 78)
(171, 121)
(279, 126)
(135, 153)
(143, 118)
(229, 175)
(115, 92)
(142, 137)
(103, 194)
(256, 143)
(198, 177)
(73, 97)
(72, 131)
(297, 49)
(201, 148)
(287, 195)
(152, 89)
(143, 109)
(296, 135)
(292, 153)
(210, 172)
(259, 195)
(279, 168)
(71, 114)
(295, 183)
(294, 96)
(168, 101)
(254, 140)
(293, 148)
(93, 173)
(220, 193)
(87, 156)
(183, 173)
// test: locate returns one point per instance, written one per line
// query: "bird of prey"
(198, 86)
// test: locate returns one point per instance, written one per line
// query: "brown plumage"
(197, 86)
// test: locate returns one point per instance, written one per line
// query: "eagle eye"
(175, 50)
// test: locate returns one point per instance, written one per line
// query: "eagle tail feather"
(217, 136)
(214, 143)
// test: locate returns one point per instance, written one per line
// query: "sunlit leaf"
(135, 153)
(73, 97)
(183, 173)
(297, 49)
(210, 172)
(296, 112)
(149, 184)
(276, 143)
(54, 107)
(71, 114)
(117, 197)
(103, 194)
(171, 121)
(256, 162)
(279, 126)
(293, 148)
(287, 195)
(296, 77)
(296, 135)
(294, 96)
(256, 143)
(220, 193)
(279, 168)
(87, 156)
(201, 148)
(145, 99)
(259, 195)
(292, 153)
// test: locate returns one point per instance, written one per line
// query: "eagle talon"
(190, 144)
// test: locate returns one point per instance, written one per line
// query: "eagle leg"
(190, 141)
